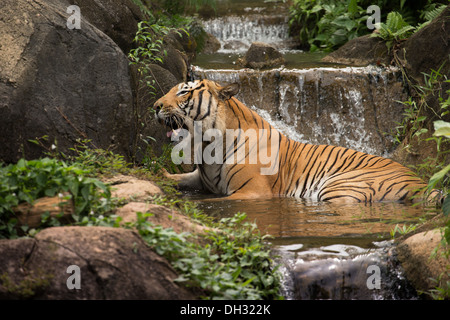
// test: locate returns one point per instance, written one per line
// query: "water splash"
(342, 272)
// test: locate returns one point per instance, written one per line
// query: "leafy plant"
(234, 264)
(431, 12)
(327, 24)
(30, 180)
(98, 161)
(441, 129)
(402, 230)
(338, 25)
(417, 109)
(395, 29)
(149, 41)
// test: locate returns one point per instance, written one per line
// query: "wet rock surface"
(361, 52)
(262, 55)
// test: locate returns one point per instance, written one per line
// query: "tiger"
(307, 171)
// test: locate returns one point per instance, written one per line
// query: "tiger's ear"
(228, 91)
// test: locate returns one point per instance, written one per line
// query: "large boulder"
(360, 52)
(262, 55)
(114, 263)
(116, 18)
(65, 83)
(428, 48)
(423, 260)
(146, 125)
(70, 84)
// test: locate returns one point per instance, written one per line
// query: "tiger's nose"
(158, 106)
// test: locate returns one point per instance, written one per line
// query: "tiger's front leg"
(189, 180)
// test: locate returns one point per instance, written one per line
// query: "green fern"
(395, 29)
(430, 14)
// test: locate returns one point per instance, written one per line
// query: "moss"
(33, 283)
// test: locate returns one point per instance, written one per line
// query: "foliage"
(418, 112)
(149, 41)
(156, 163)
(442, 178)
(431, 12)
(30, 180)
(441, 292)
(402, 229)
(234, 264)
(442, 129)
(98, 161)
(327, 24)
(395, 29)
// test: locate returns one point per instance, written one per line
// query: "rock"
(145, 97)
(162, 216)
(71, 84)
(235, 45)
(360, 52)
(428, 48)
(212, 45)
(183, 42)
(261, 55)
(116, 18)
(57, 207)
(176, 62)
(415, 255)
(129, 187)
(66, 83)
(115, 263)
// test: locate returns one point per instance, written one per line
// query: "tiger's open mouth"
(174, 123)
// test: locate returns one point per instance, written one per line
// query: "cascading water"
(325, 252)
(350, 107)
(250, 21)
(236, 33)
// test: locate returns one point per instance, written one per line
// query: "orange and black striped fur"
(316, 172)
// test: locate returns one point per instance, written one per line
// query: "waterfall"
(354, 107)
(236, 33)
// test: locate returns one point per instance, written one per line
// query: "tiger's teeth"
(173, 133)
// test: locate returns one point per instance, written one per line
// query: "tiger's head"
(199, 100)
